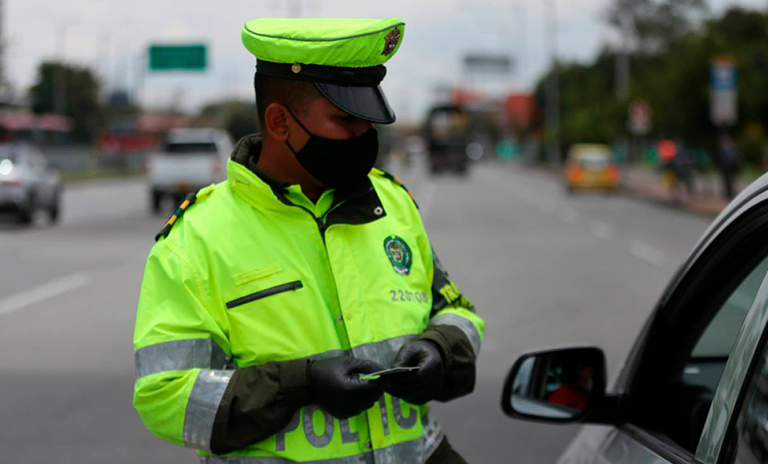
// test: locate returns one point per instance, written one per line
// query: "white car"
(694, 388)
(27, 183)
(191, 159)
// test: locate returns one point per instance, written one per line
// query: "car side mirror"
(561, 385)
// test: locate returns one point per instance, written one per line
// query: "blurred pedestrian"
(268, 296)
(729, 163)
(683, 166)
(667, 150)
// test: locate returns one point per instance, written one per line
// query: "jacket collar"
(358, 206)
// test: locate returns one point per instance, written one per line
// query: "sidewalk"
(649, 185)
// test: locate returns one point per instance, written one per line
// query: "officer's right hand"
(335, 385)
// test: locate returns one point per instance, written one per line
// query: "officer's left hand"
(421, 386)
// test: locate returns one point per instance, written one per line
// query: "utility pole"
(622, 75)
(2, 46)
(522, 40)
(553, 87)
(622, 60)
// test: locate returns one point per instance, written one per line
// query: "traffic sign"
(723, 104)
(640, 117)
(488, 64)
(190, 57)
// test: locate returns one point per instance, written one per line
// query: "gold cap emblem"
(296, 68)
(392, 40)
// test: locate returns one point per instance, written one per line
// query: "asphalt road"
(542, 268)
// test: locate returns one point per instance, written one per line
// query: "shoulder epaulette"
(190, 200)
(398, 182)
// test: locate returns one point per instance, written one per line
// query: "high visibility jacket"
(255, 279)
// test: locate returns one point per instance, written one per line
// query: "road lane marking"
(646, 253)
(603, 231)
(43, 292)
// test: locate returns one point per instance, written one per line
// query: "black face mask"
(338, 163)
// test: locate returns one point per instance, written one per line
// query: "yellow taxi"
(590, 166)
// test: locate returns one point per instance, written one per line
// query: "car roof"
(589, 150)
(15, 148)
(197, 135)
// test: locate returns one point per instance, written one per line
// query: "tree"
(80, 102)
(237, 117)
(654, 24)
(674, 78)
(589, 110)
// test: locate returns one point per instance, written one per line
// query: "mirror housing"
(563, 385)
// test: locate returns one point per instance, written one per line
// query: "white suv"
(191, 159)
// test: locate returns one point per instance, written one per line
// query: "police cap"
(344, 58)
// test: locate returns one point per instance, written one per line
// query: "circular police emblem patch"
(399, 254)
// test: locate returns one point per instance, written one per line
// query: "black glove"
(335, 386)
(421, 386)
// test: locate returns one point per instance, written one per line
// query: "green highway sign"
(177, 57)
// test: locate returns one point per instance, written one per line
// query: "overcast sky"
(111, 36)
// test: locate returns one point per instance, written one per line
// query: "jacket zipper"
(319, 221)
(290, 286)
(321, 227)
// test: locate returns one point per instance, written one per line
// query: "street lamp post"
(553, 88)
(59, 78)
(622, 59)
(622, 77)
(2, 47)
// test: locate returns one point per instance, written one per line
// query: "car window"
(709, 355)
(750, 444)
(593, 162)
(9, 152)
(202, 148)
(683, 401)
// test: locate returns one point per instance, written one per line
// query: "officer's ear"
(276, 121)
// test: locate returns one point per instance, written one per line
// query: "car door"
(43, 184)
(51, 179)
(684, 377)
(744, 440)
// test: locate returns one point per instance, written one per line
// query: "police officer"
(267, 297)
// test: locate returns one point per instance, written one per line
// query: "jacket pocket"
(290, 286)
(255, 274)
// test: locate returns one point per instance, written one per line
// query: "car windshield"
(593, 162)
(8, 153)
(201, 148)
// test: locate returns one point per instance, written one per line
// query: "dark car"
(27, 183)
(693, 387)
(447, 135)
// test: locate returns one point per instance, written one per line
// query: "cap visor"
(368, 103)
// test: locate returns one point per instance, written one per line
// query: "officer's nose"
(360, 127)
